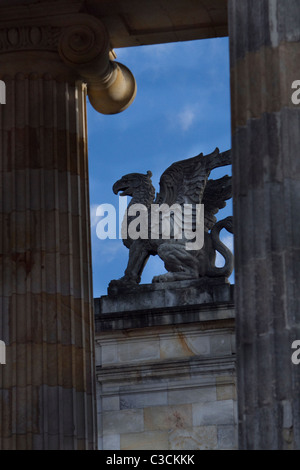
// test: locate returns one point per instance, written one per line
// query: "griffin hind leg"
(179, 263)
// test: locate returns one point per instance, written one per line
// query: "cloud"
(154, 267)
(228, 241)
(111, 251)
(154, 51)
(94, 217)
(186, 118)
(108, 250)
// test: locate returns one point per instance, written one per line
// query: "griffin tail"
(227, 269)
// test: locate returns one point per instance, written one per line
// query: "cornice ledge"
(32, 13)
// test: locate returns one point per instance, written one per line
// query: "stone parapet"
(166, 375)
(166, 295)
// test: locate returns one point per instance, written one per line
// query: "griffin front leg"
(138, 257)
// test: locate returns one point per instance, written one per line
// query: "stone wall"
(168, 385)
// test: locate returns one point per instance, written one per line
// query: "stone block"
(226, 392)
(174, 347)
(199, 344)
(209, 413)
(181, 345)
(111, 403)
(143, 400)
(287, 414)
(233, 343)
(108, 354)
(137, 351)
(197, 438)
(111, 442)
(151, 440)
(167, 417)
(98, 354)
(124, 421)
(220, 344)
(227, 437)
(191, 395)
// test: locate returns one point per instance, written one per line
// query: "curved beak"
(120, 186)
(115, 188)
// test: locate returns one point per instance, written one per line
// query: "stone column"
(264, 56)
(47, 386)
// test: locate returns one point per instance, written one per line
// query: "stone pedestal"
(164, 295)
(166, 372)
(264, 54)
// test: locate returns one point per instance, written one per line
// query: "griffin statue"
(184, 182)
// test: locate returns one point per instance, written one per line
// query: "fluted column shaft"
(50, 58)
(46, 321)
(264, 54)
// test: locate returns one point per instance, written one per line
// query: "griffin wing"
(214, 198)
(186, 182)
(183, 182)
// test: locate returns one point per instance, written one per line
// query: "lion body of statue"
(184, 182)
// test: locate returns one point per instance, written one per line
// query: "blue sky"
(182, 108)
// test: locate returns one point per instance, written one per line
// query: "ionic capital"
(73, 45)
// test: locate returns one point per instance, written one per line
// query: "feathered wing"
(215, 195)
(185, 181)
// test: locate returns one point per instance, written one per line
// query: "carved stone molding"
(79, 44)
(84, 42)
(29, 37)
(84, 45)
